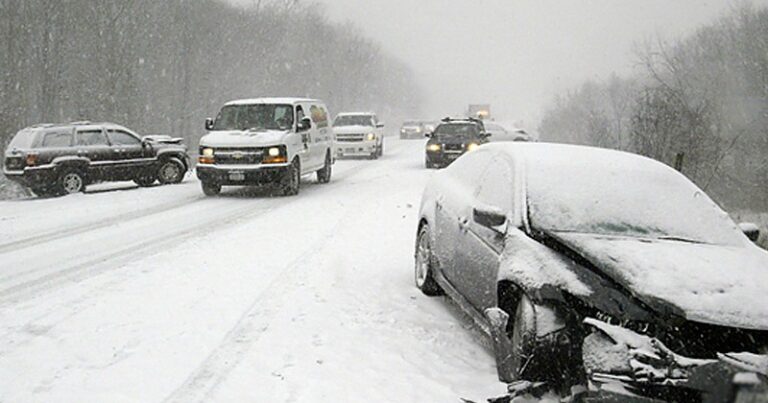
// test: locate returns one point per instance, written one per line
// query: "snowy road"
(161, 294)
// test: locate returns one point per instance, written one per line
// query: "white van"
(266, 141)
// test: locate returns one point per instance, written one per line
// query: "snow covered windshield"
(353, 120)
(634, 197)
(456, 131)
(256, 117)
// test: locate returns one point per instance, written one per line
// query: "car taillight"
(31, 159)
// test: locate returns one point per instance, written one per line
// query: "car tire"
(171, 171)
(324, 174)
(424, 264)
(291, 182)
(70, 180)
(145, 179)
(381, 149)
(210, 188)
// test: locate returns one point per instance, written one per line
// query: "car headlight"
(206, 156)
(207, 152)
(273, 151)
(371, 136)
(433, 147)
(275, 155)
(472, 146)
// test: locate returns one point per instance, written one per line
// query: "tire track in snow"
(254, 322)
(80, 229)
(152, 245)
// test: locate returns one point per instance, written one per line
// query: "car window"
(93, 137)
(496, 185)
(60, 138)
(22, 139)
(122, 138)
(457, 131)
(469, 169)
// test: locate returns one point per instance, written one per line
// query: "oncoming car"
(359, 134)
(581, 278)
(451, 139)
(58, 159)
(266, 141)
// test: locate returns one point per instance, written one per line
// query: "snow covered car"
(500, 132)
(451, 139)
(359, 134)
(596, 265)
(414, 129)
(266, 141)
(58, 159)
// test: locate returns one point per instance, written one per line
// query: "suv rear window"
(23, 139)
(58, 138)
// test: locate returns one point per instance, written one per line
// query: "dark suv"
(60, 159)
(451, 139)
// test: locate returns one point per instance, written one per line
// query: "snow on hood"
(714, 284)
(355, 129)
(243, 138)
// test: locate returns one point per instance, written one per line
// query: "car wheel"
(210, 188)
(424, 264)
(292, 179)
(171, 171)
(381, 149)
(71, 181)
(145, 180)
(324, 174)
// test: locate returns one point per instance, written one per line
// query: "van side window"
(319, 116)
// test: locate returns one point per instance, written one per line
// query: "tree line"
(699, 103)
(163, 66)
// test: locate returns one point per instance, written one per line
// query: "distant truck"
(479, 111)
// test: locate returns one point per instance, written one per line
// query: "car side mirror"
(304, 124)
(751, 230)
(489, 217)
(209, 124)
(485, 135)
(380, 125)
(428, 134)
(146, 143)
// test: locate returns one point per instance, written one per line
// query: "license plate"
(237, 176)
(349, 150)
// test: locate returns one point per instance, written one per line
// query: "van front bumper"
(241, 175)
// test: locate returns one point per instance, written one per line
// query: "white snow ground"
(160, 294)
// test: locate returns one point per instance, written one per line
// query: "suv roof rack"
(42, 125)
(80, 122)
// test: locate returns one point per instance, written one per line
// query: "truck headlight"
(207, 152)
(433, 147)
(371, 136)
(472, 146)
(273, 151)
(206, 156)
(275, 155)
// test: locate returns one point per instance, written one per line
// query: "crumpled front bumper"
(621, 362)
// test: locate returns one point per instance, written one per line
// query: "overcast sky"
(517, 54)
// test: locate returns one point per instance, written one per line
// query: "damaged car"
(596, 267)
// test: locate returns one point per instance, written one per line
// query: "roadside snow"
(294, 299)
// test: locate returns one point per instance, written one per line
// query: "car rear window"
(57, 138)
(23, 139)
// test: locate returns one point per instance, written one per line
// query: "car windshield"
(22, 139)
(635, 198)
(255, 117)
(353, 120)
(456, 131)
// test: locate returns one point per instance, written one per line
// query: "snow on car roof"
(276, 100)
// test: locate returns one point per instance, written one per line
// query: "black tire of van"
(292, 179)
(324, 174)
(210, 188)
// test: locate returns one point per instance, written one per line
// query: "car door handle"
(463, 223)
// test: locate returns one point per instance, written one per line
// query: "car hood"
(243, 138)
(353, 129)
(718, 285)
